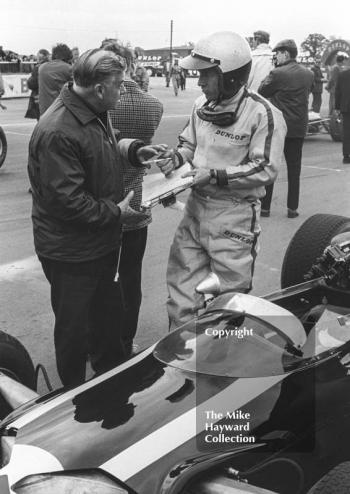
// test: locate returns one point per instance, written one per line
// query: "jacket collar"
(234, 101)
(77, 105)
(262, 48)
(131, 85)
(287, 62)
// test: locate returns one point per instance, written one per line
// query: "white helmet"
(226, 50)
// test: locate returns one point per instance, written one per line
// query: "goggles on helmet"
(215, 61)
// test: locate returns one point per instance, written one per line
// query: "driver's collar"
(231, 102)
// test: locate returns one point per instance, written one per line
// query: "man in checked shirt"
(137, 115)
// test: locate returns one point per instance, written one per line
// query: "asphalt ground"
(25, 310)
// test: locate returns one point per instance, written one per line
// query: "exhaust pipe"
(15, 393)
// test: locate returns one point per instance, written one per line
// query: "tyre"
(337, 481)
(16, 363)
(308, 243)
(3, 147)
(336, 128)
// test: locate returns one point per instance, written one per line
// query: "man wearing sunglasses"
(234, 140)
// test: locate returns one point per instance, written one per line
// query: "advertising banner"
(15, 85)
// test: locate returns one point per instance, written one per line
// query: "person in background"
(53, 75)
(2, 86)
(262, 60)
(79, 206)
(175, 76)
(317, 86)
(332, 82)
(75, 54)
(33, 84)
(342, 105)
(141, 78)
(183, 75)
(288, 87)
(2, 54)
(167, 72)
(137, 116)
(234, 140)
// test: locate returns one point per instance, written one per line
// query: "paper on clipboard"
(157, 187)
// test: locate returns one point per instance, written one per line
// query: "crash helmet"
(229, 53)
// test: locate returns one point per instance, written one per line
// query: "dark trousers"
(292, 152)
(87, 306)
(130, 271)
(346, 134)
(316, 102)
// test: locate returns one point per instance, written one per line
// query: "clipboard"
(159, 189)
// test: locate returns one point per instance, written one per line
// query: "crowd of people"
(92, 146)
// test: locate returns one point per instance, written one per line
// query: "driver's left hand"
(201, 176)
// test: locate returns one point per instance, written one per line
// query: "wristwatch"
(213, 180)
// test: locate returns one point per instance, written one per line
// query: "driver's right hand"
(169, 162)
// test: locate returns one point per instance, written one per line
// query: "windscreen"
(223, 343)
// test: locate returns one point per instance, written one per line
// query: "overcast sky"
(27, 25)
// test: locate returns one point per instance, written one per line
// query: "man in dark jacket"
(78, 207)
(342, 104)
(53, 75)
(317, 86)
(336, 69)
(288, 87)
(43, 56)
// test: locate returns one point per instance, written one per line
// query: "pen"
(148, 162)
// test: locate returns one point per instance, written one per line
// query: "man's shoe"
(265, 213)
(346, 160)
(292, 213)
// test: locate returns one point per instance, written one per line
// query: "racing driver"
(234, 140)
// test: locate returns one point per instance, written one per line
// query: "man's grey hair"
(119, 49)
(89, 70)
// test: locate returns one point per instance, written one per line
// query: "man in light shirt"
(262, 60)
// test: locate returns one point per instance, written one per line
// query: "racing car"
(325, 125)
(251, 396)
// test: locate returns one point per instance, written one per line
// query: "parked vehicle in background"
(3, 141)
(325, 125)
(152, 63)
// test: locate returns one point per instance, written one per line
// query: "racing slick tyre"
(336, 128)
(337, 481)
(3, 147)
(308, 243)
(16, 363)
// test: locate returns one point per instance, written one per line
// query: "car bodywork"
(267, 378)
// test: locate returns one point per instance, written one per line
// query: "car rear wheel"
(337, 481)
(3, 147)
(16, 363)
(308, 243)
(336, 128)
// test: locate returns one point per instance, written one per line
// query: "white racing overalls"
(220, 228)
